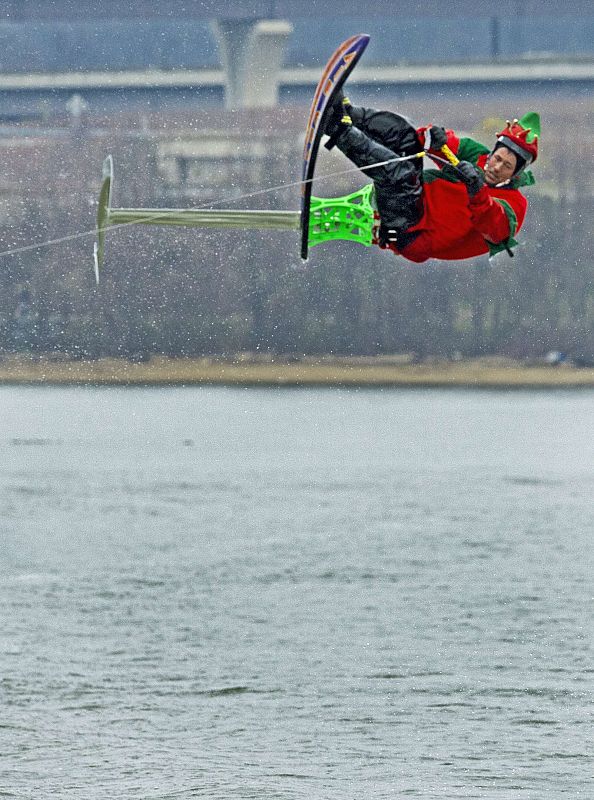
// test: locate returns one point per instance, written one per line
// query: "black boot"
(341, 99)
(338, 118)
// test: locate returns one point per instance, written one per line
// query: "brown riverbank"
(323, 371)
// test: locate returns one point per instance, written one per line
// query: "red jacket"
(455, 226)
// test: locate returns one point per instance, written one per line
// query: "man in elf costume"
(448, 213)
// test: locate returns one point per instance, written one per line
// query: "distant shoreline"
(380, 371)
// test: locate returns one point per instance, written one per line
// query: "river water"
(229, 593)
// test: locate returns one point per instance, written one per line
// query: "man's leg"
(392, 130)
(398, 184)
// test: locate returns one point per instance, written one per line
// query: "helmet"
(521, 137)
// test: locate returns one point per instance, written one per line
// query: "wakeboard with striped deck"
(337, 70)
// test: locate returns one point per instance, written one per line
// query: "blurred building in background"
(150, 55)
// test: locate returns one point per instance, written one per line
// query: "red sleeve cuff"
(453, 140)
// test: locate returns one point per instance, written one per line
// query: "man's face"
(500, 166)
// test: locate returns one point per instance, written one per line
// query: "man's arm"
(496, 219)
(433, 138)
(489, 217)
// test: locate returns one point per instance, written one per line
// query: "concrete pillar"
(252, 56)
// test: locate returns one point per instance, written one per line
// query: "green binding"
(348, 218)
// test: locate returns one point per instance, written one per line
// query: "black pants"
(378, 136)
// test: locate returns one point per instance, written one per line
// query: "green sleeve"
(470, 150)
(513, 226)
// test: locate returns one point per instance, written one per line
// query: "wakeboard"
(336, 71)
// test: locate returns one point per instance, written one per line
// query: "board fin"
(103, 215)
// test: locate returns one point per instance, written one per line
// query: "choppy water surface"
(228, 593)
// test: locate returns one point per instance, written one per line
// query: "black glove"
(438, 138)
(471, 177)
